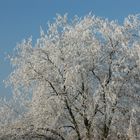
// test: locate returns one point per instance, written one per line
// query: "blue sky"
(20, 19)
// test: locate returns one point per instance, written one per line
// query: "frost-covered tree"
(82, 78)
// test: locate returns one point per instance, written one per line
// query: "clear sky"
(20, 19)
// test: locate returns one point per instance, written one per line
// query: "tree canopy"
(80, 81)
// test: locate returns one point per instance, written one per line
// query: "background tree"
(82, 78)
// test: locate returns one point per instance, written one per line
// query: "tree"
(82, 78)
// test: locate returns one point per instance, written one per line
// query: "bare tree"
(83, 78)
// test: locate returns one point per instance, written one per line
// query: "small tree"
(83, 78)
